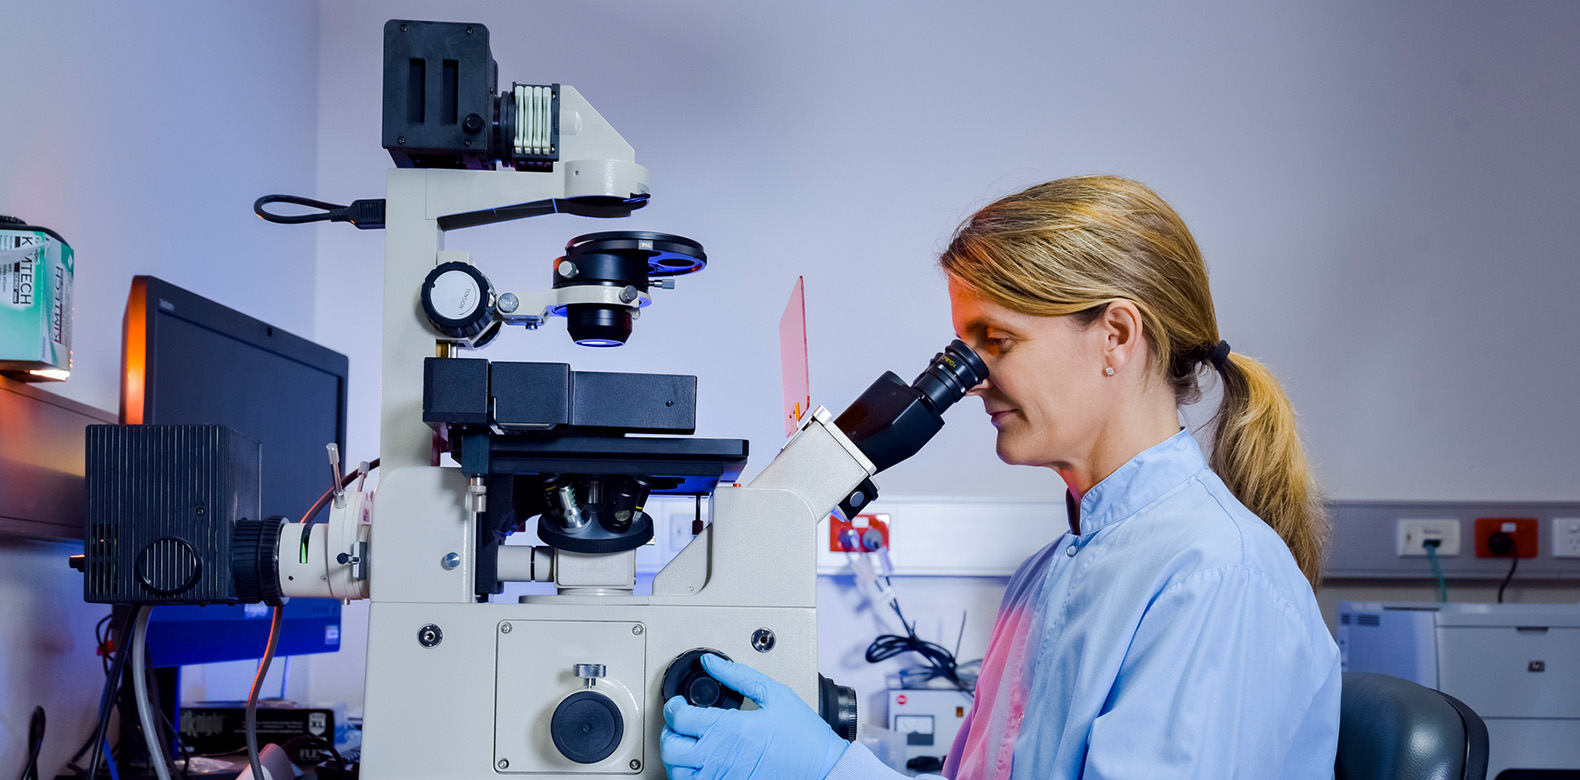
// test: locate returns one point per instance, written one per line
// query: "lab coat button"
(1070, 551)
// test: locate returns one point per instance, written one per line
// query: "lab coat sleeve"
(1221, 680)
(858, 763)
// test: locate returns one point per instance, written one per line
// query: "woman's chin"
(1012, 454)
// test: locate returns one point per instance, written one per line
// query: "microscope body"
(571, 684)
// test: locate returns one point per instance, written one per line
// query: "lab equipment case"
(1516, 665)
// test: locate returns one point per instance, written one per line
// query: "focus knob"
(458, 300)
(587, 727)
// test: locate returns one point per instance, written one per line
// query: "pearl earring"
(1109, 371)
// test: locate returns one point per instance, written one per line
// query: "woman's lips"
(996, 417)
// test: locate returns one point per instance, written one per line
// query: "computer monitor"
(190, 360)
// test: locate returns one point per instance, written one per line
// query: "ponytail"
(1257, 453)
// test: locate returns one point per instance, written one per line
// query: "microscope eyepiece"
(891, 420)
(950, 375)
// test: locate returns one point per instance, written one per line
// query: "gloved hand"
(781, 740)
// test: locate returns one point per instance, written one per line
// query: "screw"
(451, 561)
(636, 766)
(401, 140)
(568, 270)
(762, 640)
(636, 630)
(628, 294)
(403, 28)
(503, 763)
(201, 511)
(467, 142)
(468, 31)
(508, 303)
(504, 628)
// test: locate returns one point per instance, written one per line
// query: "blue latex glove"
(783, 739)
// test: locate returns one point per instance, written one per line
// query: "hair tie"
(1219, 358)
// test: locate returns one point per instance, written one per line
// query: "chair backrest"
(1393, 728)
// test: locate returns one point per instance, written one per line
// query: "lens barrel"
(951, 374)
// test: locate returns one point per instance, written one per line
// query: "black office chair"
(1394, 729)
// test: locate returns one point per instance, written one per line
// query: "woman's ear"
(1124, 345)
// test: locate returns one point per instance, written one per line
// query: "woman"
(1173, 631)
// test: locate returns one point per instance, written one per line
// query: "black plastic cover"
(437, 76)
(552, 397)
(890, 421)
(163, 502)
(455, 390)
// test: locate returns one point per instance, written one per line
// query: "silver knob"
(590, 672)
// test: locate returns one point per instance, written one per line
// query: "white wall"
(1382, 193)
(142, 133)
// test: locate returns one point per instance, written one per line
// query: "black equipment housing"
(440, 110)
(892, 421)
(174, 517)
(514, 396)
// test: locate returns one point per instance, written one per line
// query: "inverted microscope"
(563, 685)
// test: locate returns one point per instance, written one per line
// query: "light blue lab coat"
(1174, 637)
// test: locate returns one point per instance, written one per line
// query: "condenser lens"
(592, 325)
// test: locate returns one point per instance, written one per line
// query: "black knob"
(458, 300)
(837, 706)
(253, 562)
(685, 677)
(587, 727)
(472, 124)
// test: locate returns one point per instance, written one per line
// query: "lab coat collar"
(1140, 481)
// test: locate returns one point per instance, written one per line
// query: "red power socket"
(863, 525)
(1522, 529)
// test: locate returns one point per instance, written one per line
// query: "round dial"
(458, 300)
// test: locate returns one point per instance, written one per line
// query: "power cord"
(1512, 566)
(35, 744)
(252, 698)
(111, 683)
(365, 214)
(940, 662)
(1431, 546)
(145, 710)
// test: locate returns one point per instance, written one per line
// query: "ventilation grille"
(162, 501)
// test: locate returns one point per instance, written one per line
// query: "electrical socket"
(1411, 534)
(1566, 537)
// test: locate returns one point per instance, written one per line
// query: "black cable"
(252, 698)
(111, 683)
(35, 743)
(1512, 567)
(1431, 545)
(99, 647)
(365, 214)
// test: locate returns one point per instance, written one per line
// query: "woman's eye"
(997, 345)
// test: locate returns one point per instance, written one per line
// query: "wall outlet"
(1521, 529)
(862, 533)
(1412, 535)
(1566, 537)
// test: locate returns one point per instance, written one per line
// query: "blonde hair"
(1073, 246)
